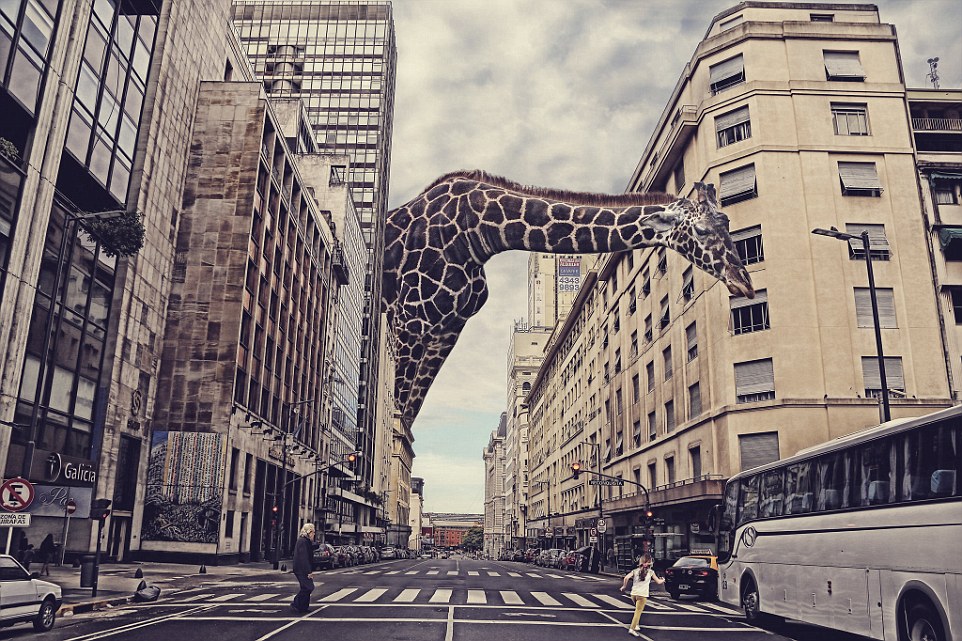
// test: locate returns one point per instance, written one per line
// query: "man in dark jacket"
(304, 567)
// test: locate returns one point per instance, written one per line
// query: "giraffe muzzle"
(738, 281)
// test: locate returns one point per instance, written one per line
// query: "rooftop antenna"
(933, 74)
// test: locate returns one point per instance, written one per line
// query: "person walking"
(47, 549)
(303, 568)
(641, 577)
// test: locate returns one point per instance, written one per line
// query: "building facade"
(416, 516)
(494, 512)
(448, 530)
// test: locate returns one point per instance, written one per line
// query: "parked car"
(25, 597)
(344, 558)
(388, 553)
(570, 561)
(325, 557)
(695, 574)
(584, 558)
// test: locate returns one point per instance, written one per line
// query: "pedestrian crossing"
(435, 572)
(464, 597)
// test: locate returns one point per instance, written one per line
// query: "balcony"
(341, 270)
(708, 487)
(937, 124)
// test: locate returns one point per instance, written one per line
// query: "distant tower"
(933, 74)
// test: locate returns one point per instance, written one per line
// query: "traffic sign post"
(602, 526)
(68, 509)
(16, 494)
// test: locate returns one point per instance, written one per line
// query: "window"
(652, 475)
(632, 301)
(737, 185)
(650, 372)
(859, 179)
(634, 344)
(821, 17)
(754, 381)
(733, 127)
(229, 525)
(894, 377)
(666, 355)
(679, 177)
(694, 455)
(748, 500)
(665, 317)
(652, 426)
(619, 444)
(636, 433)
(691, 335)
(662, 261)
(771, 494)
(750, 314)
(694, 400)
(850, 120)
(645, 283)
(619, 401)
(956, 294)
(670, 470)
(726, 74)
(669, 417)
(248, 472)
(234, 456)
(929, 462)
(688, 285)
(885, 297)
(618, 361)
(748, 244)
(843, 65)
(878, 243)
(875, 473)
(757, 449)
(798, 488)
(648, 331)
(946, 195)
(636, 387)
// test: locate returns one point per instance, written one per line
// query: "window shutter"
(748, 232)
(761, 296)
(758, 449)
(726, 69)
(694, 400)
(754, 377)
(894, 376)
(859, 175)
(843, 64)
(886, 307)
(692, 335)
(731, 119)
(737, 182)
(876, 237)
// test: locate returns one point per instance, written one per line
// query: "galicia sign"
(56, 470)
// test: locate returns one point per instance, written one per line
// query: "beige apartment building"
(799, 114)
(494, 524)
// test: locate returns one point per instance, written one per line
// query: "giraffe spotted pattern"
(435, 247)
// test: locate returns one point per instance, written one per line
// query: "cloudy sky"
(557, 93)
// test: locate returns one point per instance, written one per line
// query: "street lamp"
(289, 432)
(864, 238)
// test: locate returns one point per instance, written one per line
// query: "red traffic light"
(274, 509)
(351, 458)
(575, 469)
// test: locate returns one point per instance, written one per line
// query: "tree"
(474, 538)
(118, 235)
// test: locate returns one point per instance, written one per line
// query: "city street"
(422, 600)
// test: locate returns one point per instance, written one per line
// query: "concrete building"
(339, 58)
(494, 524)
(553, 282)
(448, 530)
(399, 495)
(416, 515)
(799, 114)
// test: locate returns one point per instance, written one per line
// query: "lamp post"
(281, 514)
(600, 497)
(864, 238)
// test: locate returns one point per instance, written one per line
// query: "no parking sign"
(16, 494)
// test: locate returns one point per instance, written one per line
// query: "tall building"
(416, 517)
(339, 58)
(553, 283)
(799, 114)
(494, 525)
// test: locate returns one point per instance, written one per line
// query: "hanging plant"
(9, 150)
(119, 235)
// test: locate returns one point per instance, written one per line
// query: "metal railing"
(937, 124)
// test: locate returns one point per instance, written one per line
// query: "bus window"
(876, 471)
(834, 481)
(798, 488)
(771, 494)
(726, 524)
(931, 456)
(748, 501)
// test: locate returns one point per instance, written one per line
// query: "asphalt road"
(414, 600)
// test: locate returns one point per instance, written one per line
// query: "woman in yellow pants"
(641, 577)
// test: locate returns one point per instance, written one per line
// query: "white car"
(25, 598)
(388, 553)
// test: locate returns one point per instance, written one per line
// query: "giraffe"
(435, 247)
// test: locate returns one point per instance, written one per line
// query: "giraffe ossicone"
(435, 247)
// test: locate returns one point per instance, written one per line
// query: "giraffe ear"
(706, 194)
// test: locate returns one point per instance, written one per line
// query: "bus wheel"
(924, 624)
(750, 602)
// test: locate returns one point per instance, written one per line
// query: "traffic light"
(100, 509)
(351, 457)
(649, 518)
(575, 469)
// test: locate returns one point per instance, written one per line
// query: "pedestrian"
(47, 549)
(303, 568)
(22, 547)
(27, 557)
(640, 578)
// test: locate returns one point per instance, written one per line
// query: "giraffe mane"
(578, 197)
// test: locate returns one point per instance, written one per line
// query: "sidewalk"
(117, 581)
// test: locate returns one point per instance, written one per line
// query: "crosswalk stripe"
(655, 605)
(195, 597)
(579, 600)
(511, 597)
(545, 599)
(553, 576)
(373, 572)
(691, 608)
(262, 597)
(615, 601)
(441, 596)
(472, 573)
(407, 596)
(494, 574)
(477, 596)
(720, 608)
(412, 572)
(337, 596)
(393, 572)
(514, 574)
(225, 597)
(452, 572)
(371, 595)
(431, 572)
(533, 576)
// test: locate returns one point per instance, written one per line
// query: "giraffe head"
(699, 232)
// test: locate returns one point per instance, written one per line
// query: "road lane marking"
(534, 576)
(511, 597)
(432, 572)
(685, 606)
(195, 597)
(719, 608)
(449, 628)
(102, 634)
(441, 596)
(477, 597)
(373, 572)
(413, 572)
(580, 600)
(494, 574)
(472, 573)
(393, 572)
(657, 606)
(545, 599)
(514, 574)
(407, 596)
(371, 595)
(337, 596)
(225, 597)
(553, 576)
(452, 572)
(615, 601)
(292, 623)
(263, 597)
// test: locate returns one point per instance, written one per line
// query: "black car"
(695, 574)
(325, 557)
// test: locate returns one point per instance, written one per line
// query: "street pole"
(886, 413)
(96, 577)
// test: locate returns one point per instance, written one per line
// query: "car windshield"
(691, 562)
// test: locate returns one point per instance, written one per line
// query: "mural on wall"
(185, 479)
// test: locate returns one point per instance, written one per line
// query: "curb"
(89, 606)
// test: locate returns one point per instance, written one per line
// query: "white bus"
(862, 534)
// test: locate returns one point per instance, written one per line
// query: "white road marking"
(656, 605)
(262, 597)
(195, 597)
(685, 606)
(720, 608)
(413, 572)
(225, 597)
(534, 576)
(511, 597)
(441, 596)
(477, 597)
(514, 574)
(494, 574)
(452, 572)
(472, 573)
(580, 600)
(545, 599)
(337, 596)
(432, 572)
(553, 576)
(393, 572)
(615, 601)
(407, 596)
(371, 595)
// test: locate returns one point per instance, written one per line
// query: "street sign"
(592, 539)
(16, 494)
(593, 532)
(549, 532)
(14, 519)
(602, 526)
(611, 482)
(71, 506)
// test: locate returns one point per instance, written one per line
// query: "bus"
(862, 534)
